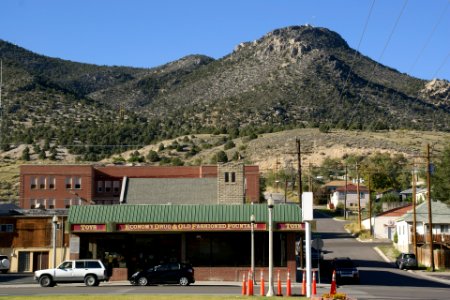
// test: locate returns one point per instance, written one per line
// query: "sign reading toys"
(88, 227)
(190, 227)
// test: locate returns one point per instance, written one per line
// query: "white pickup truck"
(89, 271)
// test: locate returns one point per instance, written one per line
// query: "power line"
(441, 65)
(357, 50)
(382, 53)
(429, 37)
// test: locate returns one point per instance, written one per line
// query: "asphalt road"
(379, 279)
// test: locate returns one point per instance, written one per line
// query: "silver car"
(406, 261)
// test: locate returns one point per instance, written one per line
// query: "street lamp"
(270, 207)
(55, 224)
(252, 223)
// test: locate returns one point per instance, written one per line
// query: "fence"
(441, 257)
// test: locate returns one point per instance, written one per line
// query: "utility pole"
(370, 209)
(430, 219)
(345, 196)
(414, 237)
(299, 163)
(359, 196)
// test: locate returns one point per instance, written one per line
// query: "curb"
(385, 258)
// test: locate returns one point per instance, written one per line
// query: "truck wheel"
(45, 281)
(90, 280)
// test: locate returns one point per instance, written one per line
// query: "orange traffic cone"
(279, 292)
(304, 283)
(314, 288)
(288, 285)
(333, 289)
(261, 288)
(250, 284)
(244, 285)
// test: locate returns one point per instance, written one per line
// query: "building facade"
(62, 186)
(349, 197)
(32, 239)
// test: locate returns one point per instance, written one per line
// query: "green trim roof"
(183, 213)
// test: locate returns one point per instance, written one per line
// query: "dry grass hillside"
(269, 151)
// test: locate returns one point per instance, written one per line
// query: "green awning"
(183, 213)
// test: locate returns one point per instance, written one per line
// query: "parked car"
(89, 271)
(4, 264)
(406, 261)
(346, 270)
(180, 273)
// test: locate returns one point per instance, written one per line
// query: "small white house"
(383, 225)
(440, 218)
(350, 196)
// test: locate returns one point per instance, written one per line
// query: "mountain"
(298, 76)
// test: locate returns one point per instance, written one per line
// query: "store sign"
(191, 227)
(290, 226)
(88, 227)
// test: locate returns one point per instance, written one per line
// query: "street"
(379, 279)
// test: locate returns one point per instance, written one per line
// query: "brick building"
(132, 217)
(62, 186)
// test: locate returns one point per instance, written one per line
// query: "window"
(51, 203)
(68, 183)
(33, 182)
(51, 183)
(6, 227)
(233, 177)
(32, 203)
(100, 186)
(40, 203)
(67, 203)
(107, 186)
(77, 182)
(42, 182)
(116, 186)
(444, 228)
(93, 265)
(79, 265)
(227, 177)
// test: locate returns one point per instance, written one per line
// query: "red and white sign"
(89, 228)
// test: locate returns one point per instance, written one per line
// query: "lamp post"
(252, 223)
(270, 207)
(55, 223)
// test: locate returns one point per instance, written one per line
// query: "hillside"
(294, 77)
(271, 151)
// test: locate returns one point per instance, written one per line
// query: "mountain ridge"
(292, 77)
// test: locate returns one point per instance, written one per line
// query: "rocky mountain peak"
(293, 42)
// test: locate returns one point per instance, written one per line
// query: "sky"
(412, 36)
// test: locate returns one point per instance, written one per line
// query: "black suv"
(180, 273)
(345, 270)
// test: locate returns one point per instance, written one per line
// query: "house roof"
(9, 209)
(409, 191)
(335, 183)
(440, 213)
(185, 213)
(396, 212)
(352, 188)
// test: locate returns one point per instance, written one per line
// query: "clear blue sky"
(150, 33)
